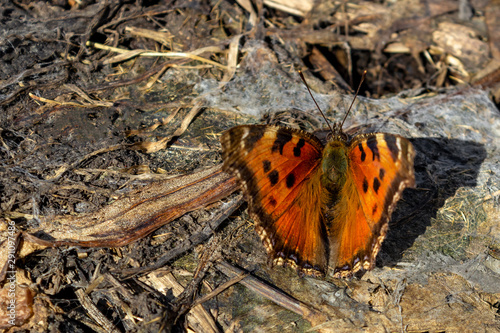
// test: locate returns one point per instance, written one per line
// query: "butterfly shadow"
(442, 166)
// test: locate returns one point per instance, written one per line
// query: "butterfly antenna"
(304, 80)
(356, 95)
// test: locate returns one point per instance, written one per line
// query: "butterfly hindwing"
(278, 170)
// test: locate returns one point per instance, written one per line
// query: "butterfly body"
(318, 207)
(334, 164)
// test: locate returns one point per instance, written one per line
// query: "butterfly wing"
(278, 170)
(380, 168)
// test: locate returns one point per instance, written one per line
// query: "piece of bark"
(463, 43)
(326, 70)
(491, 15)
(137, 214)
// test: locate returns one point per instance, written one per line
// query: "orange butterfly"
(319, 206)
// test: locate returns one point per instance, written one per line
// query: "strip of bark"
(137, 214)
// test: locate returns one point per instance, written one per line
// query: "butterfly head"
(337, 134)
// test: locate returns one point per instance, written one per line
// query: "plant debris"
(115, 215)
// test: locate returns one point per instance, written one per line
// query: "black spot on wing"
(376, 184)
(373, 145)
(391, 142)
(365, 185)
(381, 173)
(266, 165)
(374, 209)
(363, 154)
(298, 147)
(272, 201)
(282, 138)
(290, 180)
(274, 177)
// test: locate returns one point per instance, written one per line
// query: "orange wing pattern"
(312, 220)
(278, 169)
(380, 168)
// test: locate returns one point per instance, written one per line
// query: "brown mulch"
(115, 215)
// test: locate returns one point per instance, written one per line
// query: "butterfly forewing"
(382, 166)
(278, 170)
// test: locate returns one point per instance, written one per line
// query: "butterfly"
(319, 207)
